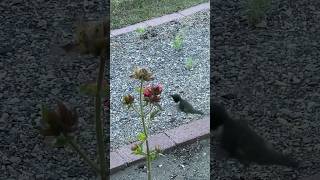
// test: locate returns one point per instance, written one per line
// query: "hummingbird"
(184, 105)
(240, 142)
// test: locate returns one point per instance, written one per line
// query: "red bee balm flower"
(152, 93)
(158, 89)
(147, 92)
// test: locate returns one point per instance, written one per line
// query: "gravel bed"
(33, 72)
(272, 77)
(168, 64)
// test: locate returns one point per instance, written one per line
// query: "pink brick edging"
(188, 133)
(160, 20)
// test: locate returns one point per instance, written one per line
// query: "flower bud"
(134, 147)
(128, 100)
(157, 149)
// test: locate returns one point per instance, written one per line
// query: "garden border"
(161, 20)
(182, 135)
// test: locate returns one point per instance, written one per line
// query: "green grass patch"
(177, 42)
(128, 12)
(189, 63)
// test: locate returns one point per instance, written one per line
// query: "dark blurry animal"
(242, 143)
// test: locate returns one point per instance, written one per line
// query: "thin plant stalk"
(82, 154)
(99, 122)
(146, 134)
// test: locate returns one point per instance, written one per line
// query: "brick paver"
(126, 153)
(162, 140)
(116, 162)
(163, 19)
(191, 131)
(128, 29)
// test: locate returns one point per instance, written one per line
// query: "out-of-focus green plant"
(91, 39)
(256, 10)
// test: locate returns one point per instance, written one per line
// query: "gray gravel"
(168, 64)
(32, 73)
(273, 74)
(190, 162)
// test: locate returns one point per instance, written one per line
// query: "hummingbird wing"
(186, 107)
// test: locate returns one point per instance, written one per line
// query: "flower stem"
(146, 133)
(82, 154)
(99, 123)
(135, 109)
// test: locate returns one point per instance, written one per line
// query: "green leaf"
(142, 137)
(153, 155)
(140, 30)
(90, 89)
